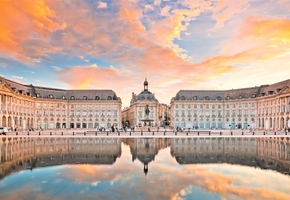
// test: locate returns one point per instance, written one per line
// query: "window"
(253, 96)
(195, 98)
(72, 98)
(219, 98)
(63, 97)
(241, 96)
(97, 98)
(85, 98)
(109, 98)
(50, 96)
(206, 98)
(38, 95)
(228, 97)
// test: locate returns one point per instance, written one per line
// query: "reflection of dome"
(145, 159)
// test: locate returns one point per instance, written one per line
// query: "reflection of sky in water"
(166, 179)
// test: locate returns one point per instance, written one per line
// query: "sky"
(116, 44)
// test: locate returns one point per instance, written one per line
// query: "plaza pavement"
(142, 132)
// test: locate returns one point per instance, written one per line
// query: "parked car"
(3, 130)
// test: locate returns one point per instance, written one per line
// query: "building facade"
(265, 107)
(135, 115)
(27, 106)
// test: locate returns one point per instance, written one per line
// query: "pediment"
(6, 88)
(285, 90)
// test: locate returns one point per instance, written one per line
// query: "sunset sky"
(115, 44)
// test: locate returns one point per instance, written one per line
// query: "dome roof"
(145, 95)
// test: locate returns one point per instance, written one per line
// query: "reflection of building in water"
(212, 150)
(266, 153)
(145, 149)
(22, 153)
(274, 153)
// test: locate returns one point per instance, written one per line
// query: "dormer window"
(97, 98)
(271, 92)
(72, 98)
(50, 96)
(228, 97)
(182, 98)
(206, 98)
(148, 98)
(109, 98)
(195, 98)
(219, 98)
(253, 96)
(279, 89)
(37, 95)
(63, 97)
(263, 93)
(85, 98)
(241, 96)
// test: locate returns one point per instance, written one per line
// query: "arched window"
(195, 98)
(72, 98)
(219, 98)
(228, 97)
(253, 96)
(63, 97)
(97, 98)
(241, 96)
(38, 95)
(182, 98)
(206, 98)
(109, 98)
(148, 98)
(85, 98)
(50, 96)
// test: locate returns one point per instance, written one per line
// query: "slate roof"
(45, 92)
(276, 87)
(220, 94)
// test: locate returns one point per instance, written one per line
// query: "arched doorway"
(28, 123)
(38, 123)
(3, 121)
(31, 123)
(282, 126)
(20, 123)
(9, 122)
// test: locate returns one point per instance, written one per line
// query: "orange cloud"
(19, 20)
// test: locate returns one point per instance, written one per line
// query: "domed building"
(144, 109)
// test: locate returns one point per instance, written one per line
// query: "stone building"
(135, 115)
(265, 107)
(28, 106)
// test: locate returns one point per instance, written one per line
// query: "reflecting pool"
(145, 168)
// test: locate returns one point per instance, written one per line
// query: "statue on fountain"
(147, 111)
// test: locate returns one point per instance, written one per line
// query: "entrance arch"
(282, 123)
(9, 122)
(3, 121)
